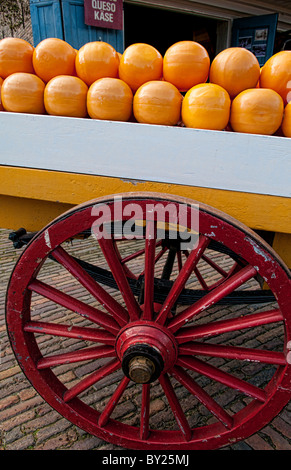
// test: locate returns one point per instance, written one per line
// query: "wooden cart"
(178, 199)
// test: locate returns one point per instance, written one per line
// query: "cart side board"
(194, 157)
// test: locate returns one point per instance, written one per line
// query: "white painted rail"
(210, 159)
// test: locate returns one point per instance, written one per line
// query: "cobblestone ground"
(28, 422)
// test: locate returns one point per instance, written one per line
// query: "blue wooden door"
(64, 19)
(46, 20)
(256, 33)
(77, 33)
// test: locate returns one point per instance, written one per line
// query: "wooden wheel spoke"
(76, 356)
(160, 254)
(68, 331)
(181, 279)
(214, 265)
(222, 377)
(176, 407)
(234, 269)
(132, 256)
(200, 279)
(212, 297)
(225, 326)
(184, 378)
(111, 305)
(150, 249)
(93, 378)
(93, 314)
(179, 260)
(112, 403)
(145, 412)
(137, 254)
(107, 247)
(233, 352)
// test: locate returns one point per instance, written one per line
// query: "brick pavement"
(28, 422)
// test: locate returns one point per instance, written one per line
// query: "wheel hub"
(142, 363)
(145, 350)
(141, 369)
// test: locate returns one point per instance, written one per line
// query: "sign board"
(104, 13)
(257, 34)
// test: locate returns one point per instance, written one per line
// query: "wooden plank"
(209, 159)
(23, 187)
(282, 246)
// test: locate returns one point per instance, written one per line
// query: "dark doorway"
(162, 28)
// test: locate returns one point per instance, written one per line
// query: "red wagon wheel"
(188, 361)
